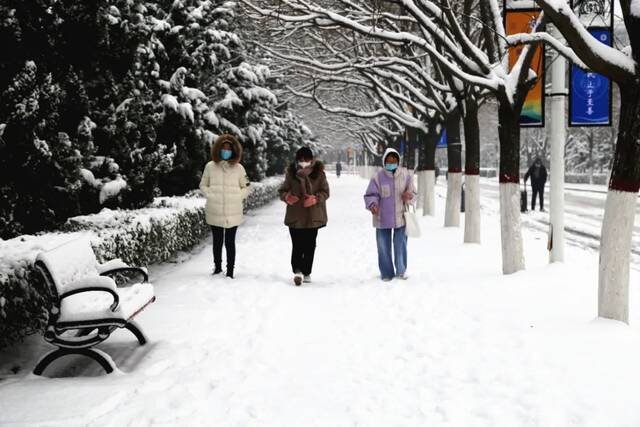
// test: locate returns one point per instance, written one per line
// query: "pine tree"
(74, 106)
(129, 90)
(40, 166)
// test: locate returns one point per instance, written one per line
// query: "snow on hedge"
(112, 189)
(140, 237)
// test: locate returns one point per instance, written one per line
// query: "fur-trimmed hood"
(318, 167)
(235, 146)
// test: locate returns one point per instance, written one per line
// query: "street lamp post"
(557, 139)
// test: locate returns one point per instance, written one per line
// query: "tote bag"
(411, 220)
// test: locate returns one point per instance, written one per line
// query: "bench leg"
(134, 328)
(104, 361)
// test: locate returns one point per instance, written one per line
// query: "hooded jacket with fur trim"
(225, 185)
(297, 216)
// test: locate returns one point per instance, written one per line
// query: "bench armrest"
(111, 264)
(93, 284)
(141, 270)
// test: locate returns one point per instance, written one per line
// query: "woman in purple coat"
(389, 191)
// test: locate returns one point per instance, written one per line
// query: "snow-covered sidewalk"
(458, 344)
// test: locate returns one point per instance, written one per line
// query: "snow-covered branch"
(597, 56)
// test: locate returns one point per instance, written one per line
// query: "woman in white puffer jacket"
(225, 185)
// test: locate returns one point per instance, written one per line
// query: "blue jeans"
(384, 238)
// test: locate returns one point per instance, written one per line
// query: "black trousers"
(537, 191)
(303, 241)
(226, 236)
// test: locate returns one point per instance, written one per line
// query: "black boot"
(230, 272)
(218, 269)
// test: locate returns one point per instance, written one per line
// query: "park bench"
(87, 301)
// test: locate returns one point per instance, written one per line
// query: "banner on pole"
(590, 100)
(594, 13)
(522, 21)
(442, 142)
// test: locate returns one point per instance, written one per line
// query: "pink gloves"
(291, 199)
(309, 201)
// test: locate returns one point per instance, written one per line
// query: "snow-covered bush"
(262, 193)
(123, 104)
(22, 296)
(140, 237)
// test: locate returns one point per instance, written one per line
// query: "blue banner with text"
(590, 102)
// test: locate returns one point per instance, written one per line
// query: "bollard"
(523, 199)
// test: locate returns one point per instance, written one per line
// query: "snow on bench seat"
(94, 306)
(86, 301)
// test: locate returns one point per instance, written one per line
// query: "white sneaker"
(297, 279)
(402, 276)
(306, 279)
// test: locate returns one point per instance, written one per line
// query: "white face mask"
(304, 164)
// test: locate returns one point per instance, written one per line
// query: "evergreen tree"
(121, 100)
(39, 165)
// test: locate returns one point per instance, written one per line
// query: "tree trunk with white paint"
(454, 194)
(454, 174)
(619, 214)
(615, 250)
(617, 226)
(511, 233)
(421, 184)
(472, 209)
(429, 201)
(472, 172)
(426, 164)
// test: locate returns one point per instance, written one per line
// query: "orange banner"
(523, 21)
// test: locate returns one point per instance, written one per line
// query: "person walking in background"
(225, 185)
(305, 190)
(387, 194)
(338, 169)
(538, 174)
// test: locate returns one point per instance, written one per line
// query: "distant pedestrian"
(338, 169)
(538, 174)
(389, 191)
(305, 191)
(225, 185)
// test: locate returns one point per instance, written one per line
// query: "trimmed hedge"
(140, 237)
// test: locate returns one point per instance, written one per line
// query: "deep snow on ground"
(458, 344)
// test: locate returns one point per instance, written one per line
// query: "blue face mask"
(226, 154)
(391, 166)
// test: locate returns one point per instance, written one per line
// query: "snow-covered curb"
(140, 237)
